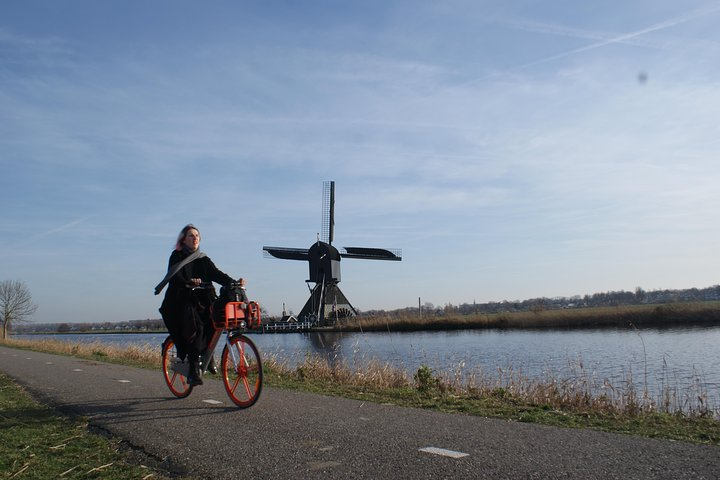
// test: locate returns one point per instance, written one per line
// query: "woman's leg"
(193, 334)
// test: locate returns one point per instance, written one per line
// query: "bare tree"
(16, 304)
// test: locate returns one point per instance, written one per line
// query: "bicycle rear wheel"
(242, 371)
(175, 370)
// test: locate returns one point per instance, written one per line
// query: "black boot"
(212, 367)
(194, 377)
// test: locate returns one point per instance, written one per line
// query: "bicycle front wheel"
(175, 370)
(242, 371)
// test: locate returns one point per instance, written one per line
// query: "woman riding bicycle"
(186, 317)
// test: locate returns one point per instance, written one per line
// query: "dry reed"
(576, 391)
(146, 355)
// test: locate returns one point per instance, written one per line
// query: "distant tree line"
(605, 299)
(149, 325)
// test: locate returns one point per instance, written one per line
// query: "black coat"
(179, 298)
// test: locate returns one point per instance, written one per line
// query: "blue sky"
(510, 149)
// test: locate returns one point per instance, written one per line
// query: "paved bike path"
(290, 434)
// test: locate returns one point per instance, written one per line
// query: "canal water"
(679, 359)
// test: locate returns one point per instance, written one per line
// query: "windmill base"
(327, 305)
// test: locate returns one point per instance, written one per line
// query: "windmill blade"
(286, 253)
(328, 213)
(372, 253)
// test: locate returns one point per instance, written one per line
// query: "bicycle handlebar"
(209, 285)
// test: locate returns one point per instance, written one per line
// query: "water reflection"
(327, 345)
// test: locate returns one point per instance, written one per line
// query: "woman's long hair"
(183, 232)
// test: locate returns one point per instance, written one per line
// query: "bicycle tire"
(242, 371)
(175, 379)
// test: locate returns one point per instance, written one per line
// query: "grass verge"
(555, 402)
(36, 442)
(518, 400)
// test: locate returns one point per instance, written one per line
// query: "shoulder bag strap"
(175, 268)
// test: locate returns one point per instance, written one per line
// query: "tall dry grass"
(138, 355)
(574, 391)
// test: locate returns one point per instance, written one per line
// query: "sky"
(511, 150)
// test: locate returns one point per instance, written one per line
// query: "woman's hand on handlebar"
(198, 284)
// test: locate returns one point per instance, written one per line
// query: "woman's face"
(192, 239)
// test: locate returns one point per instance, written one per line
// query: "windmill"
(327, 302)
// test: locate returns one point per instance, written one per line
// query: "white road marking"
(213, 402)
(48, 363)
(77, 369)
(124, 381)
(444, 452)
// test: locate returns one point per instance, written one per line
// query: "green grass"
(36, 442)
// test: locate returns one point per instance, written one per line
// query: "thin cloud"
(46, 52)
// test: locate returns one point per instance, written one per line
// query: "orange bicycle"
(240, 366)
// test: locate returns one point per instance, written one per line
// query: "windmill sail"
(328, 213)
(286, 253)
(371, 253)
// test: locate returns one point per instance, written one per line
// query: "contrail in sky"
(62, 228)
(624, 37)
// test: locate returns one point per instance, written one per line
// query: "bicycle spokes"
(242, 370)
(174, 370)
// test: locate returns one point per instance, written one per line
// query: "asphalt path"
(290, 434)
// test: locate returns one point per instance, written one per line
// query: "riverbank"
(550, 401)
(622, 316)
(665, 315)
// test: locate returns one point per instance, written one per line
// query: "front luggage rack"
(239, 315)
